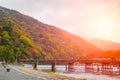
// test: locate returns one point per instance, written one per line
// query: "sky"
(85, 18)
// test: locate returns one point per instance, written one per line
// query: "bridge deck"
(67, 61)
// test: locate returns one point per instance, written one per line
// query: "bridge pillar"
(111, 70)
(103, 68)
(66, 67)
(98, 68)
(70, 66)
(107, 69)
(53, 64)
(35, 65)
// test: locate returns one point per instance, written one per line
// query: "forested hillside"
(25, 37)
(14, 43)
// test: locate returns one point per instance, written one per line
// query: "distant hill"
(105, 44)
(35, 39)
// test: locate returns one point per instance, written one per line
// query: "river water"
(79, 72)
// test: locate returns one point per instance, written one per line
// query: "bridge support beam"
(70, 67)
(103, 68)
(35, 65)
(66, 67)
(53, 64)
(111, 69)
(107, 69)
(98, 68)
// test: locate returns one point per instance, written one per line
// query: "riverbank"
(79, 72)
(45, 75)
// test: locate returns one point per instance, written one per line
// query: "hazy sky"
(94, 18)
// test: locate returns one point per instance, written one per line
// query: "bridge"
(104, 64)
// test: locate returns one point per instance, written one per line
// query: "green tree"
(17, 53)
(5, 35)
(9, 54)
(26, 40)
(5, 40)
(2, 48)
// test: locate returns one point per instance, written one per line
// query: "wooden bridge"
(105, 63)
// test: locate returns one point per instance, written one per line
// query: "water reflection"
(91, 73)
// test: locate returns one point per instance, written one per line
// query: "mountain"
(105, 44)
(34, 39)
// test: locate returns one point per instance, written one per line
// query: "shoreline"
(86, 76)
(43, 74)
(48, 75)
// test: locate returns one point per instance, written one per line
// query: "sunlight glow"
(104, 27)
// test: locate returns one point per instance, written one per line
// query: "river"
(79, 72)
